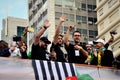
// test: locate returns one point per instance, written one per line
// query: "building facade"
(12, 26)
(108, 12)
(79, 12)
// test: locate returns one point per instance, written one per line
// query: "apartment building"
(79, 12)
(12, 26)
(108, 12)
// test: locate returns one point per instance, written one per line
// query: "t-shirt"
(60, 52)
(39, 53)
(75, 56)
(16, 53)
(24, 55)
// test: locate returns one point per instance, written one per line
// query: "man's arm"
(111, 40)
(41, 31)
(85, 53)
(61, 20)
(23, 36)
(66, 37)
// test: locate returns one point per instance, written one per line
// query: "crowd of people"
(62, 50)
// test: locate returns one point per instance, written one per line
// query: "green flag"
(84, 76)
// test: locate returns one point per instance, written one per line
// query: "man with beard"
(39, 47)
(57, 44)
(76, 52)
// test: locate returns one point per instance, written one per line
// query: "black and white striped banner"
(49, 70)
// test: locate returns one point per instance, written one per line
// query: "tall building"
(79, 12)
(12, 26)
(108, 12)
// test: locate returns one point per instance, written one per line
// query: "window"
(39, 5)
(84, 19)
(30, 17)
(80, 19)
(92, 34)
(92, 20)
(30, 5)
(68, 3)
(34, 1)
(40, 18)
(67, 16)
(44, 1)
(71, 17)
(20, 30)
(111, 3)
(83, 6)
(77, 4)
(45, 12)
(58, 2)
(34, 10)
(100, 12)
(82, 31)
(65, 29)
(58, 14)
(91, 7)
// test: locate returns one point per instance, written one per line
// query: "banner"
(25, 69)
(49, 70)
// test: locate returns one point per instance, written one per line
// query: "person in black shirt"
(4, 49)
(39, 47)
(57, 45)
(76, 52)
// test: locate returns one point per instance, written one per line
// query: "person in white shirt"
(14, 51)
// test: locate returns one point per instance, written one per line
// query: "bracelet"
(44, 27)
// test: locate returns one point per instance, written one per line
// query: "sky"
(14, 8)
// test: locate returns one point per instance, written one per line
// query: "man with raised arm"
(57, 48)
(76, 52)
(39, 47)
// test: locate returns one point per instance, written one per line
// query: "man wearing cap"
(103, 57)
(39, 47)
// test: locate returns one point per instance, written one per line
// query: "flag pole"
(6, 20)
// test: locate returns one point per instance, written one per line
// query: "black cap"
(45, 40)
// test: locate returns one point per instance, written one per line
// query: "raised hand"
(46, 23)
(26, 29)
(62, 19)
(71, 27)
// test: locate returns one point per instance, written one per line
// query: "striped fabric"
(49, 70)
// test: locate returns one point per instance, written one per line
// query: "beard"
(44, 47)
(76, 42)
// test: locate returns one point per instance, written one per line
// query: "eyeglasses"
(77, 35)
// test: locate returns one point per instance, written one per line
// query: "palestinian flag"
(84, 76)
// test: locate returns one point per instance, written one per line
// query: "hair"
(76, 32)
(61, 35)
(3, 45)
